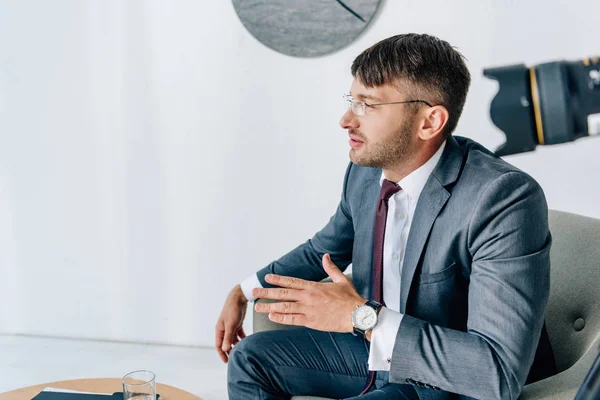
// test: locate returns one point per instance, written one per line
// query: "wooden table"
(98, 385)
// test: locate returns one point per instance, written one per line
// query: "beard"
(394, 148)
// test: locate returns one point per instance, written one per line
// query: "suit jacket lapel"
(431, 201)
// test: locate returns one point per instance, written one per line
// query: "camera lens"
(546, 104)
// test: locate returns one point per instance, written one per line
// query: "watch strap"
(374, 305)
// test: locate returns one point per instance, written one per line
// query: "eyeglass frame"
(352, 102)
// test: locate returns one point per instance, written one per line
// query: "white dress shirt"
(401, 210)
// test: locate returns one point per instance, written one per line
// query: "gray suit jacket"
(475, 278)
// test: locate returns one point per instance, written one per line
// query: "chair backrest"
(573, 313)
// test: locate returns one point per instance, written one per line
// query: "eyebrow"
(365, 97)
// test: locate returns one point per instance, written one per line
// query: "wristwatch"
(364, 318)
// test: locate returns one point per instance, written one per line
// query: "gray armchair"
(573, 313)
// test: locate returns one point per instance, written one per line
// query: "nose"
(349, 120)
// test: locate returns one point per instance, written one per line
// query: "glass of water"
(139, 385)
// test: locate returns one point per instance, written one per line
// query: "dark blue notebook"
(78, 396)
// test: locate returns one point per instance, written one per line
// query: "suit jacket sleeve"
(509, 244)
(336, 238)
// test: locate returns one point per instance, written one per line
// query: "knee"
(247, 352)
(249, 371)
(247, 367)
(238, 354)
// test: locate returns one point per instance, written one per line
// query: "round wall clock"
(305, 28)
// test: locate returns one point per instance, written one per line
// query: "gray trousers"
(305, 362)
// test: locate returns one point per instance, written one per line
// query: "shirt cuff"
(383, 339)
(248, 284)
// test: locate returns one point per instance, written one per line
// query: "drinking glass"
(139, 385)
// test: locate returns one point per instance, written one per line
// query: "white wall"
(153, 154)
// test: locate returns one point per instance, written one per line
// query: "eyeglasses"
(360, 107)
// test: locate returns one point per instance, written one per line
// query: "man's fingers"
(280, 308)
(277, 294)
(289, 319)
(219, 334)
(332, 270)
(226, 347)
(287, 281)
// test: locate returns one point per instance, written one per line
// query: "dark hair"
(423, 65)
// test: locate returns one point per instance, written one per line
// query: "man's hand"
(229, 329)
(317, 305)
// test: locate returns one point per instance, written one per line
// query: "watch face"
(364, 318)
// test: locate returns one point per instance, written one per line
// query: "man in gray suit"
(449, 248)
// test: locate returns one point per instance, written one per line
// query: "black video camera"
(549, 103)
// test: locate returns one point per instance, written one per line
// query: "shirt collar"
(414, 182)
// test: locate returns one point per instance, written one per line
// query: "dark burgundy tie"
(387, 190)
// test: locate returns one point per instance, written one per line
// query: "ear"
(433, 122)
